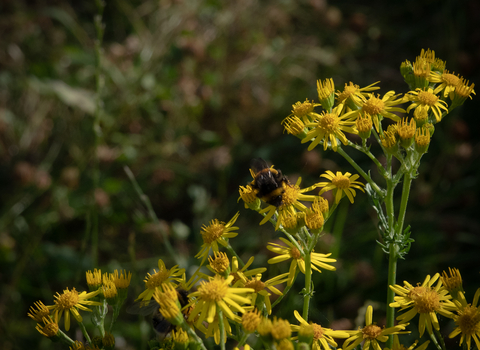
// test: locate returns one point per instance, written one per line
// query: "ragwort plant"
(227, 298)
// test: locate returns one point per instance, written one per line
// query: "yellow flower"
(215, 233)
(447, 81)
(422, 139)
(467, 320)
(452, 283)
(249, 197)
(280, 329)
(251, 320)
(352, 93)
(291, 201)
(303, 110)
(462, 91)
(70, 302)
(322, 337)
(109, 291)
(371, 333)
(291, 252)
(329, 126)
(41, 311)
(379, 108)
(261, 289)
(398, 346)
(121, 281)
(163, 275)
(50, 328)
(240, 276)
(341, 183)
(94, 279)
(219, 263)
(217, 294)
(427, 99)
(425, 300)
(293, 125)
(326, 93)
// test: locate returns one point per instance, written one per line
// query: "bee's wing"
(143, 308)
(258, 164)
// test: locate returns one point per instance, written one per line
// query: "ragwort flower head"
(303, 110)
(49, 329)
(467, 320)
(425, 300)
(216, 294)
(428, 100)
(261, 289)
(217, 232)
(371, 334)
(353, 95)
(452, 281)
(379, 108)
(70, 301)
(41, 311)
(323, 338)
(447, 82)
(341, 183)
(292, 198)
(290, 251)
(163, 275)
(328, 127)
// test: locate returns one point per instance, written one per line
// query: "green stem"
(242, 340)
(65, 338)
(407, 182)
(435, 341)
(191, 333)
(370, 155)
(221, 327)
(84, 332)
(146, 201)
(308, 284)
(392, 277)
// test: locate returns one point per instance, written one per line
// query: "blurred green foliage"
(192, 91)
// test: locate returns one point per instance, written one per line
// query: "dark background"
(193, 91)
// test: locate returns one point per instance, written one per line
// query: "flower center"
(371, 332)
(450, 79)
(373, 105)
(67, 300)
(469, 320)
(294, 253)
(317, 331)
(213, 232)
(341, 182)
(290, 195)
(214, 290)
(156, 279)
(257, 285)
(427, 98)
(427, 302)
(328, 123)
(51, 329)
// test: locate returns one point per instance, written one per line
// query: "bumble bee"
(268, 183)
(160, 325)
